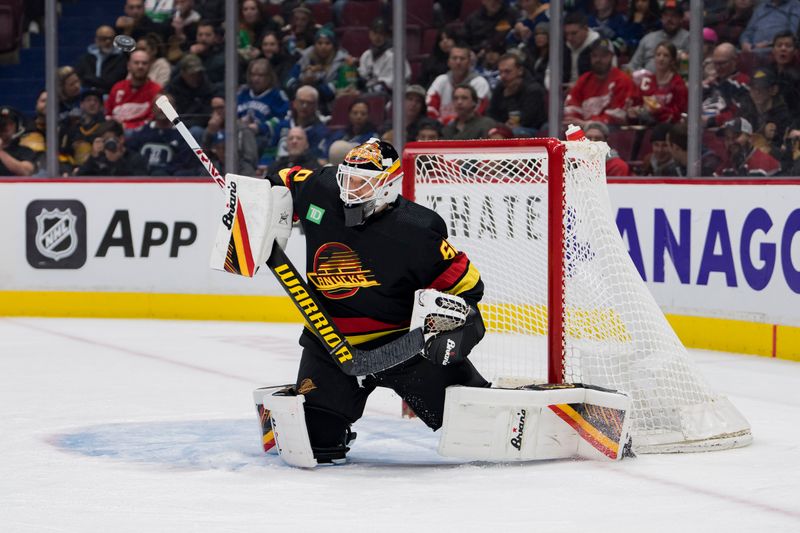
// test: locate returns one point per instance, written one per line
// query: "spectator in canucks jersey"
(261, 104)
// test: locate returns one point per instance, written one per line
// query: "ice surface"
(138, 425)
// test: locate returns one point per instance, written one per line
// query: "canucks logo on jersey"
(338, 272)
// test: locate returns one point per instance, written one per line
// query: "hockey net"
(563, 302)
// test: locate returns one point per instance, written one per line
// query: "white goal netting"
(494, 200)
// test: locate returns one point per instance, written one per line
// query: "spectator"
(662, 95)
(251, 25)
(643, 18)
(131, 100)
(467, 124)
(678, 140)
(136, 23)
(743, 158)
(160, 69)
(339, 150)
(281, 62)
(319, 67)
(601, 94)
(612, 25)
(533, 12)
(69, 93)
(304, 113)
(192, 92)
(791, 151)
(261, 104)
(500, 131)
(159, 11)
(769, 18)
(726, 96)
(436, 63)
(494, 18)
(518, 101)
(577, 39)
(184, 25)
(737, 16)
(772, 116)
(110, 157)
(213, 10)
(414, 110)
(429, 130)
(488, 60)
(103, 64)
(376, 65)
(710, 41)
(784, 54)
(246, 143)
(299, 33)
(77, 137)
(359, 129)
(537, 55)
(659, 161)
(15, 160)
(671, 20)
(35, 136)
(440, 93)
(163, 149)
(297, 152)
(615, 165)
(209, 49)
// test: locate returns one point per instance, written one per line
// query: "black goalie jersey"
(366, 275)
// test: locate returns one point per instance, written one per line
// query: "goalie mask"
(369, 178)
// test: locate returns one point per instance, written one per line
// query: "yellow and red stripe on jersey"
(359, 330)
(239, 259)
(599, 426)
(459, 277)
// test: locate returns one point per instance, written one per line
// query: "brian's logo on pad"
(338, 272)
(55, 234)
(518, 430)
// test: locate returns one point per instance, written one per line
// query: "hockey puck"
(125, 43)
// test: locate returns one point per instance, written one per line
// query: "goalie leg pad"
(267, 433)
(534, 422)
(289, 427)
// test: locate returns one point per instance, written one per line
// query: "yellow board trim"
(782, 342)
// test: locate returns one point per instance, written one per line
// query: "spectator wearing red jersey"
(726, 96)
(743, 158)
(601, 94)
(662, 95)
(440, 93)
(131, 100)
(615, 165)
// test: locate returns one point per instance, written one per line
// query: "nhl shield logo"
(56, 234)
(56, 237)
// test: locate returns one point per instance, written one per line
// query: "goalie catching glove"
(256, 215)
(450, 325)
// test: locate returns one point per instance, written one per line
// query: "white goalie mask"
(369, 178)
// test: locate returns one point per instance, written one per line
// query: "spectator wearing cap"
(300, 33)
(440, 93)
(376, 65)
(192, 92)
(770, 17)
(467, 124)
(615, 165)
(77, 136)
(601, 94)
(15, 160)
(429, 130)
(319, 67)
(671, 30)
(578, 38)
(110, 156)
(495, 17)
(103, 64)
(414, 108)
(662, 95)
(161, 146)
(131, 100)
(726, 96)
(772, 116)
(297, 153)
(246, 143)
(787, 70)
(518, 101)
(743, 158)
(532, 12)
(261, 104)
(678, 141)
(659, 162)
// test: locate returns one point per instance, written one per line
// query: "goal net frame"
(700, 425)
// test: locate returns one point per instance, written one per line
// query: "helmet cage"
(358, 185)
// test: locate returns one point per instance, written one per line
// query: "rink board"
(721, 259)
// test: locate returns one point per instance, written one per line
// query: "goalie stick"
(351, 360)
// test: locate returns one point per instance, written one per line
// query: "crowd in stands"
(317, 76)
